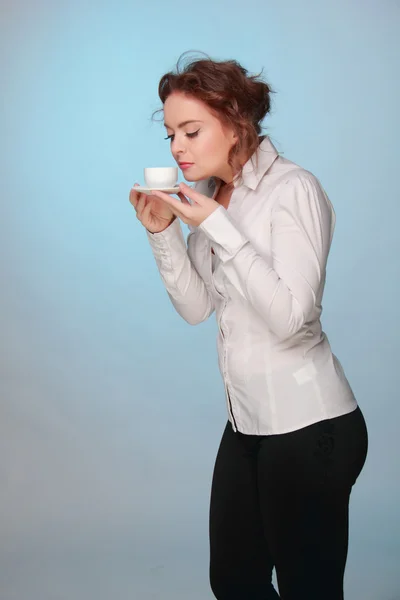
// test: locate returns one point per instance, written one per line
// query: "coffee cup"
(161, 177)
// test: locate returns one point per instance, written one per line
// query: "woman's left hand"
(191, 214)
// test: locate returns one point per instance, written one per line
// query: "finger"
(174, 204)
(192, 194)
(183, 198)
(145, 216)
(177, 211)
(145, 212)
(141, 204)
(134, 196)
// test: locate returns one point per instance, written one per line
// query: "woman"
(260, 233)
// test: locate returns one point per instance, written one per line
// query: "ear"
(230, 133)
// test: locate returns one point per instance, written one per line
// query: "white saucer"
(147, 190)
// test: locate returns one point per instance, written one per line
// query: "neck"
(227, 178)
(226, 186)
(228, 175)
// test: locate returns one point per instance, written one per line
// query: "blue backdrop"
(111, 406)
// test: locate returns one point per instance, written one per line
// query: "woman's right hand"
(154, 214)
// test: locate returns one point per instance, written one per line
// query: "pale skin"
(198, 137)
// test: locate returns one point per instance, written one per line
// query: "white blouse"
(265, 285)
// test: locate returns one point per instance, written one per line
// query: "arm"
(282, 287)
(186, 289)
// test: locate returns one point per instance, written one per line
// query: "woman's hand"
(154, 214)
(191, 214)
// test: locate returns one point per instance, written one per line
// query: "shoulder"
(296, 195)
(301, 179)
(295, 185)
(285, 173)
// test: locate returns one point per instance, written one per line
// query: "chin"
(195, 177)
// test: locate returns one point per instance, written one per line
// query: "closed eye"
(189, 135)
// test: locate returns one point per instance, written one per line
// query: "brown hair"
(239, 100)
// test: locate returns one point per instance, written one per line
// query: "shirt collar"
(252, 174)
(253, 171)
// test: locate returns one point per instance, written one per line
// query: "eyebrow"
(184, 123)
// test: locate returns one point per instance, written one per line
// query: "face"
(200, 144)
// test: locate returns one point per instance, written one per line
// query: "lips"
(185, 165)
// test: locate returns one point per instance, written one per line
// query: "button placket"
(223, 335)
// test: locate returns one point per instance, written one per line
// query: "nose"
(177, 147)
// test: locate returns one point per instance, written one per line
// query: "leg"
(305, 480)
(240, 565)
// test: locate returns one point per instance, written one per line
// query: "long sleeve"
(284, 286)
(185, 287)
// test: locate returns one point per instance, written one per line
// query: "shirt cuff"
(167, 244)
(222, 230)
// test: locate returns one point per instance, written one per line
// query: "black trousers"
(283, 501)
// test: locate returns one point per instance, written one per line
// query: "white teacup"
(161, 177)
